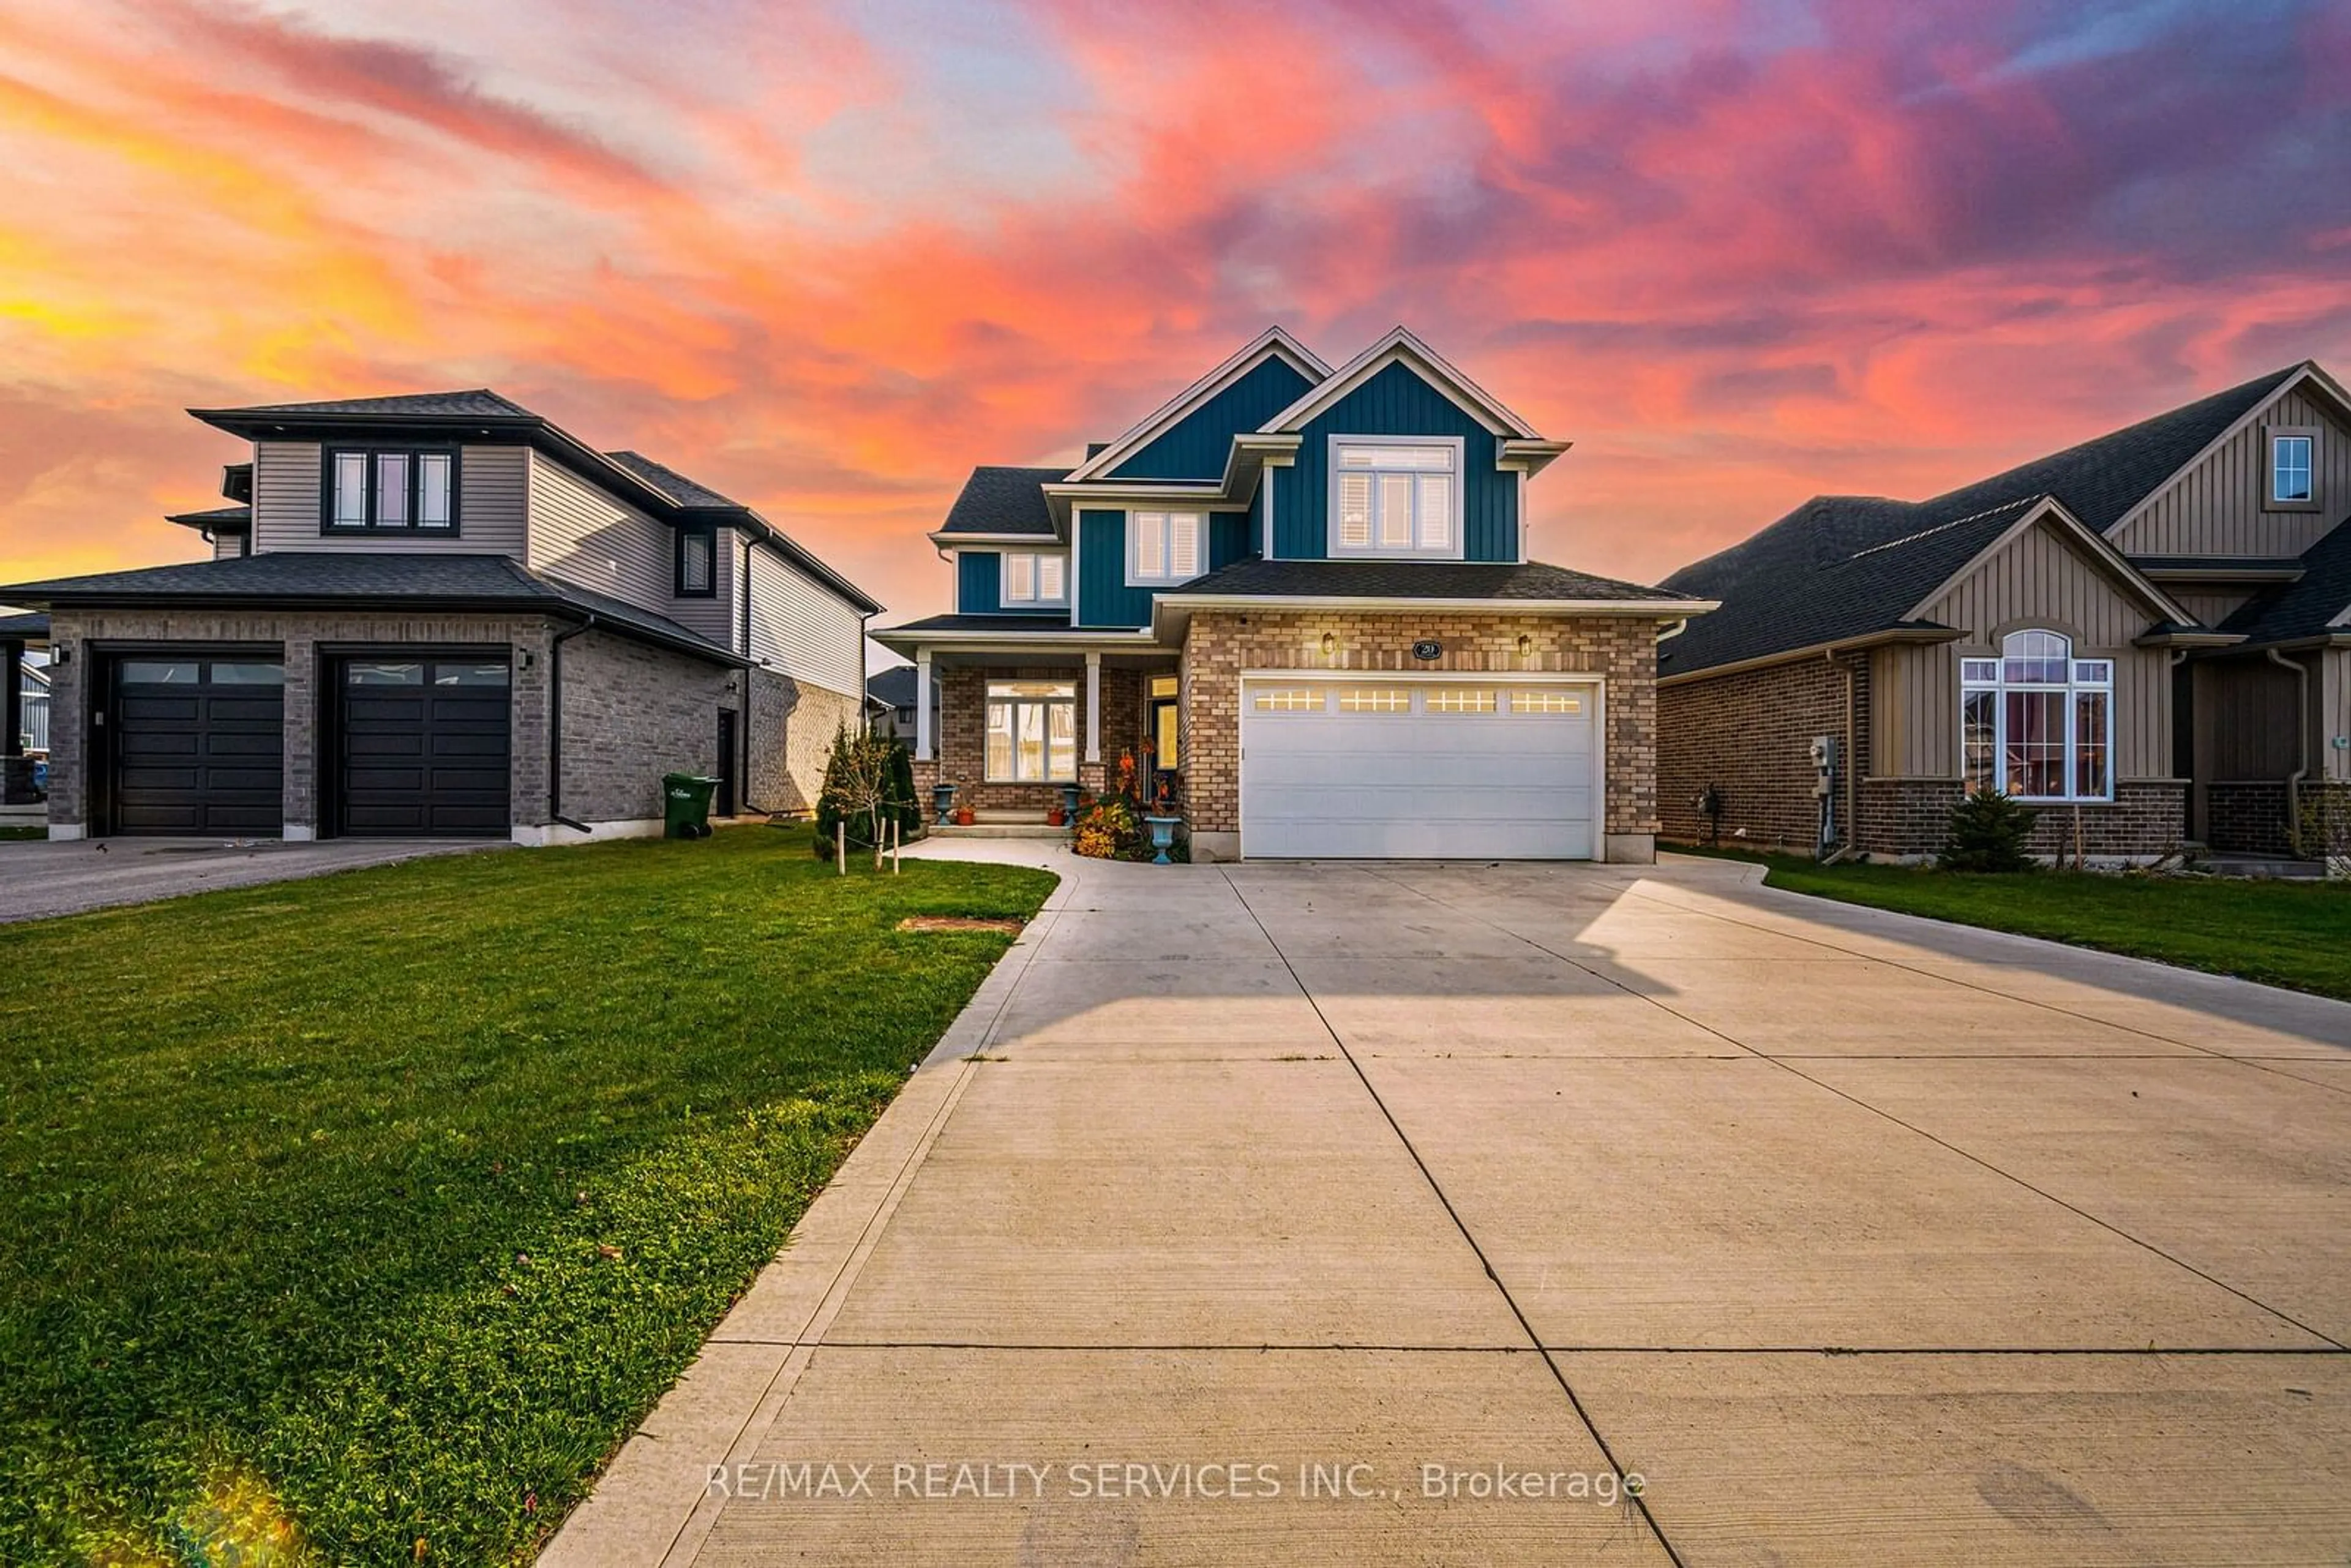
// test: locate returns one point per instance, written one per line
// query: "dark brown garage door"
(199, 745)
(422, 748)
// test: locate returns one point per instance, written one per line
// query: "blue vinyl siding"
(1396, 402)
(1199, 445)
(979, 581)
(1231, 536)
(1104, 597)
(979, 588)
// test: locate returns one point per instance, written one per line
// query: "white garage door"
(1452, 769)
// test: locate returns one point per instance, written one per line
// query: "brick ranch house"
(1301, 596)
(2148, 635)
(443, 615)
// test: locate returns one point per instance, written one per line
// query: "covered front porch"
(1016, 726)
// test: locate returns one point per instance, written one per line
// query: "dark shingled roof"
(32, 625)
(234, 519)
(1414, 580)
(347, 576)
(2294, 611)
(1004, 501)
(478, 403)
(686, 492)
(893, 687)
(1043, 625)
(1847, 566)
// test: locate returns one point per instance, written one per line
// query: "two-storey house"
(1301, 596)
(2148, 635)
(445, 614)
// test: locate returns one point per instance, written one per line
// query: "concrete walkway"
(39, 879)
(1271, 1213)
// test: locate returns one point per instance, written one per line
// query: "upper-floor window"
(1033, 579)
(383, 488)
(2037, 722)
(1163, 546)
(2293, 479)
(697, 564)
(1395, 496)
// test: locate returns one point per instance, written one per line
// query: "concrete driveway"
(39, 879)
(1322, 1213)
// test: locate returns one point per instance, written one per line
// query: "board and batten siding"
(582, 535)
(2036, 579)
(803, 629)
(1395, 401)
(1197, 445)
(2214, 506)
(493, 500)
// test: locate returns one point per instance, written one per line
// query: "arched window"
(2037, 722)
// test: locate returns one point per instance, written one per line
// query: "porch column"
(922, 705)
(1093, 708)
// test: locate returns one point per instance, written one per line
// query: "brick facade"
(962, 740)
(1748, 733)
(631, 711)
(2248, 817)
(1907, 818)
(1219, 644)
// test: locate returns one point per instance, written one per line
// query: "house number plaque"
(1428, 648)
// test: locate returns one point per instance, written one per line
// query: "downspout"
(555, 726)
(750, 700)
(2301, 746)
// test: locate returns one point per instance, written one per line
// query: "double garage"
(1451, 766)
(412, 743)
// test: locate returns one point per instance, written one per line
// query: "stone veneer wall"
(299, 635)
(962, 740)
(1219, 644)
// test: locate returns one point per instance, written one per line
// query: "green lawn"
(9, 831)
(2294, 934)
(356, 1220)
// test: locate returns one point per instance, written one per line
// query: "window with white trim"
(1396, 496)
(1032, 732)
(389, 489)
(2292, 480)
(1033, 579)
(2038, 723)
(1164, 546)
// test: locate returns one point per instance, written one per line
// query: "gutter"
(2301, 745)
(555, 725)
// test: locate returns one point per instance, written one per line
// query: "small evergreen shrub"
(1988, 832)
(869, 782)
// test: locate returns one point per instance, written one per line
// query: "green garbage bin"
(686, 805)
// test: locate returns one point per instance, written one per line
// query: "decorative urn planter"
(1070, 802)
(1163, 837)
(943, 803)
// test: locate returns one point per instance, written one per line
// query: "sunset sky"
(827, 257)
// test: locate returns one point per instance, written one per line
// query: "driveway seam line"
(1559, 1376)
(2258, 1064)
(1888, 1115)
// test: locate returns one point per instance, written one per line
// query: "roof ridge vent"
(1944, 527)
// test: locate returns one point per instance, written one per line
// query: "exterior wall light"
(1526, 644)
(1329, 643)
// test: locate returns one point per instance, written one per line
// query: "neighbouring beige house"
(441, 614)
(2148, 635)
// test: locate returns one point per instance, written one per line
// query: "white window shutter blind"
(1049, 577)
(1396, 511)
(1355, 510)
(1020, 577)
(1150, 544)
(1184, 544)
(1437, 511)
